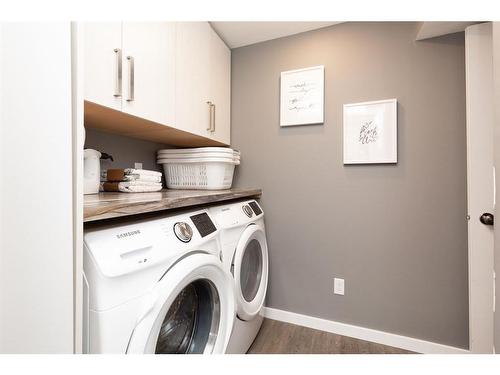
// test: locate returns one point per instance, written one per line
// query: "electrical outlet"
(338, 286)
(138, 165)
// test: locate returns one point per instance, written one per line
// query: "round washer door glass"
(251, 270)
(192, 321)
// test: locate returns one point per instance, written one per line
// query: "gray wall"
(396, 233)
(125, 150)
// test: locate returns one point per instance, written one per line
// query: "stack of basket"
(203, 168)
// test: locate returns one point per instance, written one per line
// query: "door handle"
(131, 75)
(487, 218)
(213, 118)
(118, 77)
(209, 127)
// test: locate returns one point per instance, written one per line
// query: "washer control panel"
(247, 210)
(183, 231)
(233, 214)
(203, 223)
(122, 248)
(255, 208)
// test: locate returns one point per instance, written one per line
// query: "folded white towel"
(129, 171)
(134, 177)
(132, 187)
(130, 174)
(138, 189)
(142, 177)
(140, 183)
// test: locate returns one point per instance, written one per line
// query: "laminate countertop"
(107, 205)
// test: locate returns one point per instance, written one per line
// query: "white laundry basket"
(199, 173)
(203, 150)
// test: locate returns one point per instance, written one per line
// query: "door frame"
(480, 184)
(78, 132)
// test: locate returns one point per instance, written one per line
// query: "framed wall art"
(302, 96)
(370, 132)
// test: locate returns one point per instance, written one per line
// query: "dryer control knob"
(183, 231)
(247, 210)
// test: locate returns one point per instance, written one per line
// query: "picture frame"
(302, 96)
(370, 132)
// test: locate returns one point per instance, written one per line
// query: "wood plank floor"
(277, 337)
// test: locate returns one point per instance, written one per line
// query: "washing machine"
(156, 285)
(245, 258)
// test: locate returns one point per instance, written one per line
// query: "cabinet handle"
(209, 128)
(118, 78)
(130, 78)
(213, 118)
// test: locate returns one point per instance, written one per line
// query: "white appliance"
(156, 286)
(91, 171)
(245, 257)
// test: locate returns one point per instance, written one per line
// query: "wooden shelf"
(108, 205)
(111, 121)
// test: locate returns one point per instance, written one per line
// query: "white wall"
(36, 225)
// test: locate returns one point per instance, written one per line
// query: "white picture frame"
(302, 96)
(371, 132)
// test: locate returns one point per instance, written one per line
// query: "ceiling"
(239, 34)
(433, 29)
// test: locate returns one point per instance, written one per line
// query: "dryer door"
(250, 270)
(190, 310)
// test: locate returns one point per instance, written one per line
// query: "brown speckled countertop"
(110, 205)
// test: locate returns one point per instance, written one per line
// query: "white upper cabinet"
(176, 75)
(149, 71)
(220, 88)
(203, 76)
(193, 77)
(103, 46)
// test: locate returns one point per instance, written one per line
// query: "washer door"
(250, 270)
(190, 310)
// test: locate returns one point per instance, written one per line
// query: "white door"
(480, 184)
(103, 63)
(220, 88)
(193, 77)
(250, 271)
(149, 70)
(191, 310)
(36, 231)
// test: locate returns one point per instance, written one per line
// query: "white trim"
(78, 144)
(380, 337)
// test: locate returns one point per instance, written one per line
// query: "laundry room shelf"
(117, 122)
(109, 205)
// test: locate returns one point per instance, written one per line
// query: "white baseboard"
(367, 334)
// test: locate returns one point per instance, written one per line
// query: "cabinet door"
(193, 77)
(220, 88)
(149, 70)
(103, 43)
